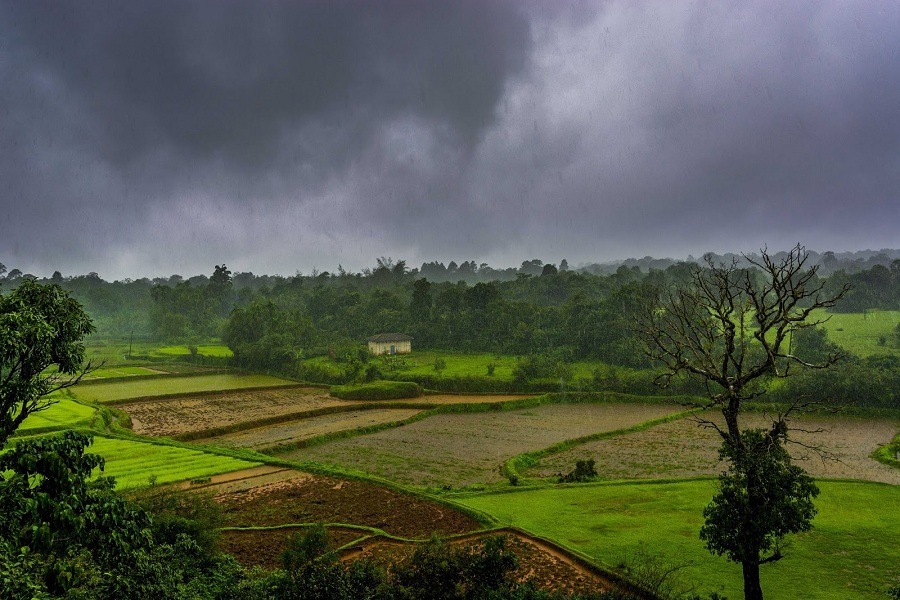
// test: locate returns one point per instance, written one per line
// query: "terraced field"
(260, 438)
(122, 371)
(468, 448)
(178, 416)
(134, 463)
(161, 386)
(64, 413)
(684, 449)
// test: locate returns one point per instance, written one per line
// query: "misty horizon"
(144, 140)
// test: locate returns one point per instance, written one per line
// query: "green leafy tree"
(730, 328)
(265, 336)
(72, 531)
(420, 306)
(744, 520)
(41, 350)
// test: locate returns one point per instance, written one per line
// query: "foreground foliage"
(40, 327)
(63, 534)
(436, 571)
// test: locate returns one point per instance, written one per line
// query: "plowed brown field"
(319, 499)
(177, 416)
(260, 438)
(466, 449)
(684, 449)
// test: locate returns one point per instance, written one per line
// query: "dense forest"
(547, 314)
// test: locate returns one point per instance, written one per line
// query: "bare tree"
(731, 328)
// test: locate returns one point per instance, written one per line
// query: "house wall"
(379, 348)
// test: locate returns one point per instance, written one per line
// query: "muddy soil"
(684, 449)
(176, 416)
(288, 432)
(319, 499)
(255, 548)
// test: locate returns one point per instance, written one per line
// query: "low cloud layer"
(146, 139)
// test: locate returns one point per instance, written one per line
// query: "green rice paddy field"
(133, 463)
(64, 413)
(121, 371)
(161, 386)
(851, 552)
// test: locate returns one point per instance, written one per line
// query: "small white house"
(390, 343)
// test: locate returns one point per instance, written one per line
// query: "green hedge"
(378, 390)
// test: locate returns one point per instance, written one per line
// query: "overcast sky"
(149, 138)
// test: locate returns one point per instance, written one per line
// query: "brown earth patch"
(176, 416)
(469, 448)
(263, 548)
(289, 432)
(684, 449)
(320, 499)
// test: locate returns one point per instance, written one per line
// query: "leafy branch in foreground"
(41, 350)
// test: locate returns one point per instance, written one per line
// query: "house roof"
(390, 337)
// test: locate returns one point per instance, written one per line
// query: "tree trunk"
(752, 587)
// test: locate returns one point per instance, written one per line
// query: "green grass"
(213, 350)
(161, 386)
(859, 332)
(65, 413)
(113, 353)
(133, 463)
(458, 364)
(120, 371)
(850, 553)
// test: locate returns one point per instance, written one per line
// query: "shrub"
(440, 364)
(542, 366)
(584, 471)
(377, 390)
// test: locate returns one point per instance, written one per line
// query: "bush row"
(378, 390)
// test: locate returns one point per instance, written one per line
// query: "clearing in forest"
(684, 449)
(464, 449)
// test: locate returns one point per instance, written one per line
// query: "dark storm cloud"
(153, 137)
(673, 128)
(228, 77)
(125, 110)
